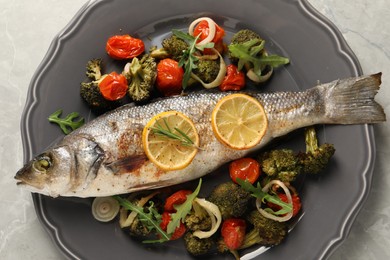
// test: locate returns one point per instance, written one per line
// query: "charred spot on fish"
(128, 164)
(114, 126)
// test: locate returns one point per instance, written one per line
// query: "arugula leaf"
(67, 124)
(151, 220)
(248, 53)
(188, 59)
(182, 210)
(257, 192)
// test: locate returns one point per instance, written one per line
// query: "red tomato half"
(245, 169)
(296, 202)
(233, 232)
(179, 231)
(113, 86)
(202, 29)
(234, 79)
(177, 198)
(169, 77)
(121, 47)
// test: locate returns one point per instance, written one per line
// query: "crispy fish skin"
(106, 157)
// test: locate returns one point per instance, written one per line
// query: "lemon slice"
(170, 140)
(239, 121)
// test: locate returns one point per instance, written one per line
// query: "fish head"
(48, 173)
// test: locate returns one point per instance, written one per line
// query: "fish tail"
(351, 100)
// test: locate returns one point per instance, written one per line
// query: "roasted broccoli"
(265, 231)
(90, 92)
(141, 75)
(133, 222)
(206, 70)
(196, 246)
(198, 219)
(285, 165)
(172, 47)
(316, 157)
(247, 50)
(231, 199)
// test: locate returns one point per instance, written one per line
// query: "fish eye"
(42, 163)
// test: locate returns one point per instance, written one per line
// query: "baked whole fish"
(106, 157)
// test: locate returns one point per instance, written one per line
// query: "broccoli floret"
(231, 199)
(94, 69)
(198, 219)
(285, 165)
(131, 222)
(280, 164)
(265, 231)
(172, 47)
(316, 157)
(141, 75)
(90, 91)
(206, 70)
(196, 246)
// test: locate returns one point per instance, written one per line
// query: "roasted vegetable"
(231, 199)
(207, 70)
(265, 231)
(172, 47)
(141, 75)
(90, 91)
(247, 50)
(285, 165)
(198, 219)
(196, 246)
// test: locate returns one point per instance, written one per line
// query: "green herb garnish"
(188, 59)
(251, 52)
(264, 196)
(182, 210)
(175, 133)
(67, 124)
(151, 219)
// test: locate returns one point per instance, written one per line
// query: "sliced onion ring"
(221, 73)
(212, 29)
(289, 201)
(215, 215)
(105, 209)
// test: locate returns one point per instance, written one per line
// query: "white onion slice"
(215, 215)
(105, 209)
(212, 29)
(289, 201)
(221, 74)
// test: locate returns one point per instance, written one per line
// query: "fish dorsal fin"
(127, 164)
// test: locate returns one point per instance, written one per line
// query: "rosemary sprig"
(188, 59)
(175, 134)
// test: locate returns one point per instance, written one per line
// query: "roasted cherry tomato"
(169, 77)
(234, 79)
(121, 47)
(176, 198)
(245, 169)
(296, 201)
(179, 231)
(202, 29)
(113, 86)
(233, 232)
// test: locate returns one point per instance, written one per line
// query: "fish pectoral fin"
(127, 164)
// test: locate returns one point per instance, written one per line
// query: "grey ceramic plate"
(291, 28)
